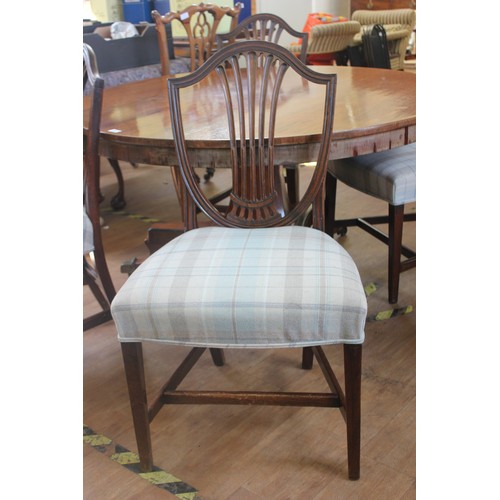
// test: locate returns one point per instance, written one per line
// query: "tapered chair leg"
(307, 358)
(330, 201)
(352, 369)
(217, 356)
(396, 219)
(136, 382)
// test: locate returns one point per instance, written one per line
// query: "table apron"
(301, 153)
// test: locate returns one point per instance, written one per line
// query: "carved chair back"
(267, 27)
(200, 23)
(250, 76)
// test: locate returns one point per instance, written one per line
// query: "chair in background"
(398, 24)
(90, 69)
(95, 270)
(328, 43)
(253, 279)
(200, 23)
(267, 27)
(387, 175)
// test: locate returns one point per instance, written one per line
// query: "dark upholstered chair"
(387, 175)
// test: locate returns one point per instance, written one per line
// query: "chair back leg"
(396, 219)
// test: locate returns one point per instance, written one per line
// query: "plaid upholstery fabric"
(226, 287)
(88, 234)
(388, 175)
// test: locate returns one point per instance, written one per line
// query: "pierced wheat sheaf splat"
(251, 118)
(250, 82)
(264, 29)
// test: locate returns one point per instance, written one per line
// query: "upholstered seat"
(226, 287)
(88, 234)
(387, 175)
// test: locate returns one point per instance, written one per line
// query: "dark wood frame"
(97, 276)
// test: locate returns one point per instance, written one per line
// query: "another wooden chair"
(95, 269)
(387, 175)
(117, 201)
(253, 279)
(267, 27)
(200, 23)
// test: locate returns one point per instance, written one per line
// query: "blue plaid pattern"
(88, 234)
(227, 287)
(388, 175)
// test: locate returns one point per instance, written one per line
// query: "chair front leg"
(217, 356)
(136, 382)
(352, 371)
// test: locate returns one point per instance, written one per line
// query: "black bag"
(375, 48)
(373, 52)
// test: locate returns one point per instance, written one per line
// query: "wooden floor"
(226, 452)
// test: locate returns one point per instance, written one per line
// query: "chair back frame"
(255, 197)
(266, 27)
(201, 35)
(91, 177)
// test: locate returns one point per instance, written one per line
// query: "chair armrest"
(334, 37)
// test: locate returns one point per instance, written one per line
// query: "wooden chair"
(387, 175)
(200, 23)
(117, 202)
(254, 278)
(95, 271)
(268, 27)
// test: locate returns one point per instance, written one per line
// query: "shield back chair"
(253, 279)
(269, 27)
(95, 269)
(200, 23)
(389, 176)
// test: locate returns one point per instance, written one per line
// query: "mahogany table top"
(375, 110)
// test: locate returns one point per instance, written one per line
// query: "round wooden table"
(375, 110)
